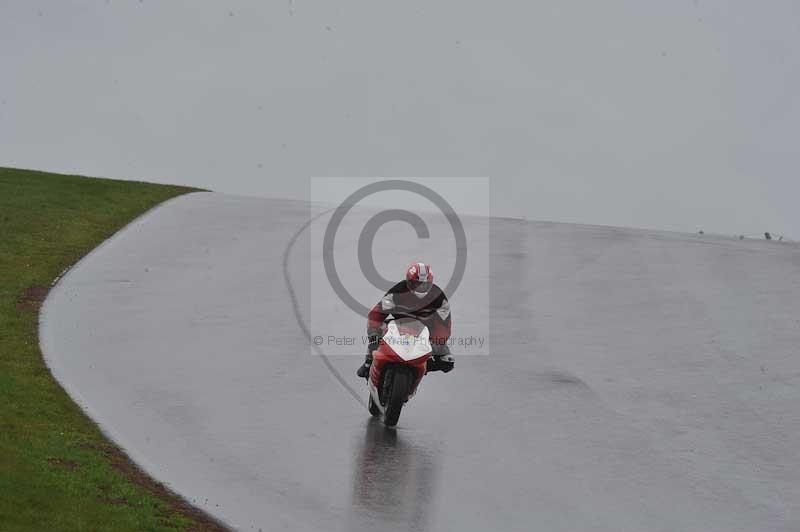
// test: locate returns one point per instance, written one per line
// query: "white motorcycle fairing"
(407, 347)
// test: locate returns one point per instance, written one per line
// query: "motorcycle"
(403, 357)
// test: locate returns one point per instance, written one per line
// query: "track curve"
(638, 380)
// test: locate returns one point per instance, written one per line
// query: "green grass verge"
(57, 470)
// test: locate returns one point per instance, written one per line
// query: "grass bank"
(57, 470)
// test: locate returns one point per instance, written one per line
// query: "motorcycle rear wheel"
(400, 388)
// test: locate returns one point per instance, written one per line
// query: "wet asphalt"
(630, 380)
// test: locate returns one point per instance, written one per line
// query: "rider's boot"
(363, 370)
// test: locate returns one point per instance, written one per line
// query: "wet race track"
(635, 380)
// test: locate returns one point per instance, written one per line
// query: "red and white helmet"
(419, 279)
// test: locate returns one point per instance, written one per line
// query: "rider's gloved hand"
(445, 363)
(442, 359)
(374, 339)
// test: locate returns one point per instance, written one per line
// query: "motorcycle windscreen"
(408, 338)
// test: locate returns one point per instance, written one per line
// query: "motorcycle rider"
(415, 297)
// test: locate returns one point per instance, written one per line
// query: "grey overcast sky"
(678, 115)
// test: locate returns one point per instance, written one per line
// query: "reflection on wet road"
(394, 483)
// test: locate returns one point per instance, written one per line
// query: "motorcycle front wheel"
(396, 398)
